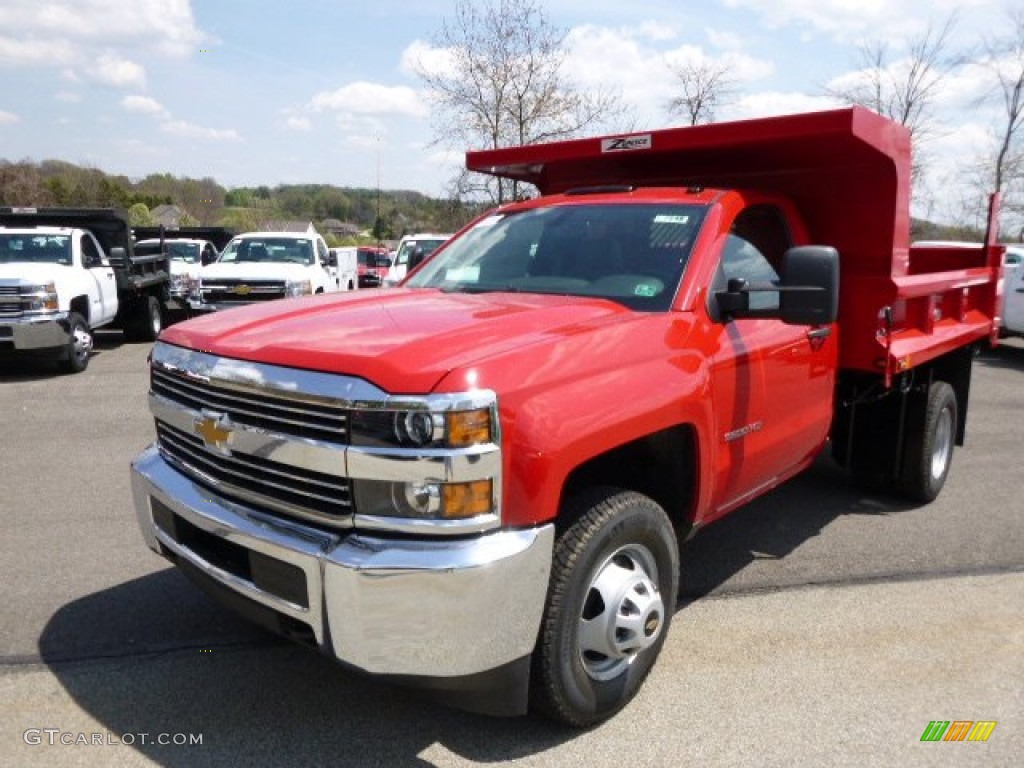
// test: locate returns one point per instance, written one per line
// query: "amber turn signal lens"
(467, 499)
(466, 428)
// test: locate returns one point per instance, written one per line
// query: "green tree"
(139, 216)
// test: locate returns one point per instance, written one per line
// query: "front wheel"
(929, 451)
(76, 357)
(615, 575)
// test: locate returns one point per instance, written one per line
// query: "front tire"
(79, 346)
(929, 451)
(614, 580)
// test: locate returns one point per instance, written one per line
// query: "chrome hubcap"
(623, 613)
(943, 443)
(82, 342)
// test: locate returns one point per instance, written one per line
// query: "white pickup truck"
(260, 266)
(1013, 292)
(67, 271)
(412, 249)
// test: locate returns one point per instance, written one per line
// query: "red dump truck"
(478, 482)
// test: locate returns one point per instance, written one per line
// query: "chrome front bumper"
(36, 332)
(434, 608)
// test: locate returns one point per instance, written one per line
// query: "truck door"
(103, 288)
(772, 383)
(323, 258)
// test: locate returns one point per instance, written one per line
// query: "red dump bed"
(848, 172)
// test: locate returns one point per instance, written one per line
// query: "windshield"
(184, 252)
(634, 254)
(43, 249)
(294, 250)
(425, 244)
(178, 251)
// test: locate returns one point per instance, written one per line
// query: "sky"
(274, 92)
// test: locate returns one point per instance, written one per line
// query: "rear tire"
(929, 451)
(614, 579)
(79, 347)
(146, 321)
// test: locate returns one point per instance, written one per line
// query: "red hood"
(402, 340)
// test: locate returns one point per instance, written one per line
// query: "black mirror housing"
(809, 287)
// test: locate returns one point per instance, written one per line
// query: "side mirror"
(117, 257)
(809, 287)
(332, 260)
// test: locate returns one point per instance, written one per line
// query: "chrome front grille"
(281, 452)
(241, 291)
(304, 418)
(253, 480)
(10, 301)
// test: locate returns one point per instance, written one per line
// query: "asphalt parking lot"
(817, 626)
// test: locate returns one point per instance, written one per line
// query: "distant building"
(167, 215)
(339, 228)
(298, 227)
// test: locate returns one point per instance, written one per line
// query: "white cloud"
(143, 105)
(420, 56)
(167, 26)
(8, 118)
(110, 69)
(364, 98)
(770, 103)
(624, 61)
(299, 123)
(29, 51)
(849, 21)
(188, 130)
(68, 97)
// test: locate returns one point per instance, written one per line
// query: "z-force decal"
(626, 143)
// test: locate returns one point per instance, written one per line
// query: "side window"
(741, 259)
(753, 251)
(321, 250)
(90, 253)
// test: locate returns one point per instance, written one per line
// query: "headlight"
(422, 428)
(298, 288)
(424, 501)
(40, 298)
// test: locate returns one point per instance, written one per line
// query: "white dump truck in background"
(65, 272)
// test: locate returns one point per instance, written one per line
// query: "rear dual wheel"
(928, 453)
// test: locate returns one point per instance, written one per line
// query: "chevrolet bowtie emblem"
(243, 290)
(215, 429)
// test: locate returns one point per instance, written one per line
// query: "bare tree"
(1006, 59)
(505, 84)
(705, 85)
(903, 89)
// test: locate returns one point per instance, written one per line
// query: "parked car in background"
(374, 264)
(261, 266)
(342, 265)
(1013, 295)
(412, 249)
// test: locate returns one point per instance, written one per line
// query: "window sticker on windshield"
(647, 290)
(463, 274)
(670, 218)
(490, 221)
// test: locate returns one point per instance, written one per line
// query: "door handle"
(819, 333)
